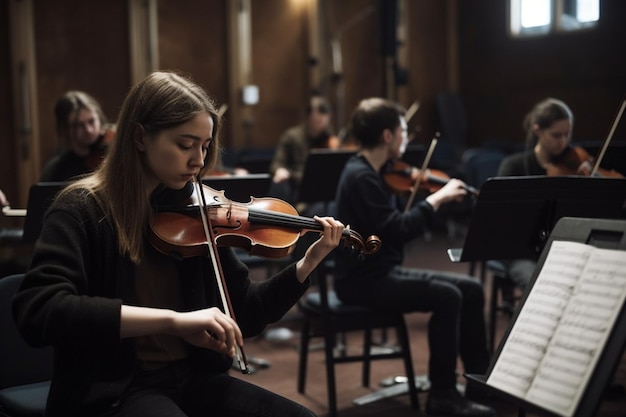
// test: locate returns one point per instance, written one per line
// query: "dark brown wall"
(502, 77)
(84, 46)
(279, 69)
(428, 64)
(7, 117)
(192, 39)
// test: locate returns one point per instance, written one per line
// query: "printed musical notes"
(562, 328)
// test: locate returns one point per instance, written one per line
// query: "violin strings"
(282, 219)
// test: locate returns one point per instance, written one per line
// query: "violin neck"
(288, 221)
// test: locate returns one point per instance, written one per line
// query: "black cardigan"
(73, 291)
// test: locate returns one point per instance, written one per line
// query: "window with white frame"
(540, 17)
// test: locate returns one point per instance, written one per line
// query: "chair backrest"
(481, 164)
(20, 364)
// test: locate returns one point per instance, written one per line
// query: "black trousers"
(178, 391)
(457, 324)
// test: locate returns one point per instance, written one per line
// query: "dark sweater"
(72, 295)
(520, 164)
(366, 204)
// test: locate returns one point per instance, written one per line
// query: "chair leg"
(493, 309)
(329, 347)
(304, 353)
(367, 352)
(403, 337)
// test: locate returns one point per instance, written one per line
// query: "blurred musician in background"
(83, 127)
(548, 129)
(295, 144)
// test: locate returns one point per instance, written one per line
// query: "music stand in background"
(240, 187)
(320, 179)
(414, 155)
(40, 196)
(514, 216)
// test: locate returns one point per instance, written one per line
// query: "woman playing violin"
(548, 129)
(83, 127)
(136, 332)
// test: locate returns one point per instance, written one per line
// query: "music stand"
(40, 196)
(601, 233)
(322, 170)
(514, 216)
(414, 155)
(240, 187)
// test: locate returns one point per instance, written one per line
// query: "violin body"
(267, 227)
(402, 177)
(577, 161)
(95, 157)
(184, 234)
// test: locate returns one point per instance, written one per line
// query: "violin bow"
(605, 145)
(219, 273)
(429, 154)
(411, 111)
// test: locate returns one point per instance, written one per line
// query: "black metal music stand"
(40, 196)
(321, 175)
(514, 216)
(240, 187)
(602, 233)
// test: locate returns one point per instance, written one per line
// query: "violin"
(98, 151)
(402, 177)
(575, 160)
(267, 227)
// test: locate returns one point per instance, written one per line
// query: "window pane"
(588, 10)
(579, 14)
(535, 13)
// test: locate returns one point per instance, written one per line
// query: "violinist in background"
(381, 281)
(548, 128)
(137, 332)
(83, 127)
(295, 144)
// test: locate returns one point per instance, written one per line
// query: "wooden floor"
(282, 355)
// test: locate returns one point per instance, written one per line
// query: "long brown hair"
(544, 114)
(163, 100)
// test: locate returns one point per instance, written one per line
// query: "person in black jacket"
(138, 331)
(86, 134)
(380, 281)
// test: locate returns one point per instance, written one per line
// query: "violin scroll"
(356, 243)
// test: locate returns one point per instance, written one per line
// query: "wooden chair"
(324, 315)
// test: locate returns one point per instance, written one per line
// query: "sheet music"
(563, 326)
